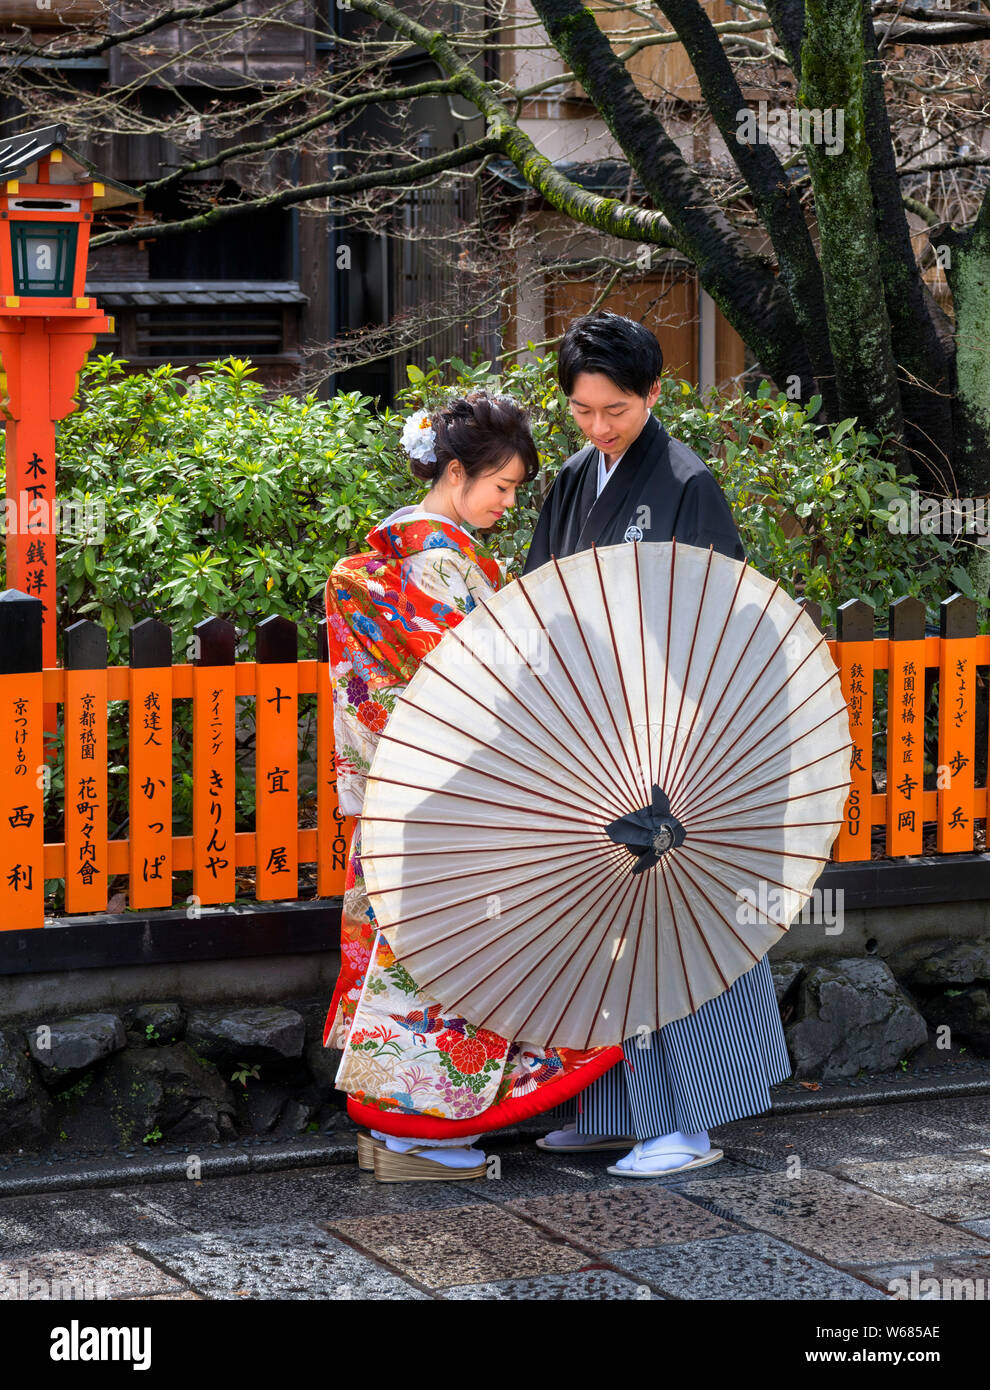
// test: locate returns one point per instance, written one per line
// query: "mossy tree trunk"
(832, 72)
(851, 319)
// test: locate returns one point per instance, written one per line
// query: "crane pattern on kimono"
(421, 1021)
(537, 1069)
(401, 611)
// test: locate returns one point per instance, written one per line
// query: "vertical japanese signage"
(214, 689)
(334, 830)
(85, 724)
(150, 765)
(276, 766)
(30, 518)
(958, 654)
(22, 812)
(854, 658)
(905, 727)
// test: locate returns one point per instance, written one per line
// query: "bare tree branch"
(94, 50)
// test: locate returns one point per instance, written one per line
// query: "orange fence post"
(150, 758)
(905, 726)
(958, 652)
(22, 805)
(277, 761)
(214, 808)
(334, 830)
(148, 850)
(85, 732)
(854, 636)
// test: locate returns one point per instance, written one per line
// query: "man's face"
(607, 415)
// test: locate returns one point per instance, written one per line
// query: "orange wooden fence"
(906, 654)
(86, 859)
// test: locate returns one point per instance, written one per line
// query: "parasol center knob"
(663, 840)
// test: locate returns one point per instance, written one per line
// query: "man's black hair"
(622, 349)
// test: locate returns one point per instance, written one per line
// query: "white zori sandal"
(567, 1140)
(641, 1162)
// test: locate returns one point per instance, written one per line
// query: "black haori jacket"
(661, 490)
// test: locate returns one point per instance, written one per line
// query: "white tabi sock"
(449, 1152)
(668, 1150)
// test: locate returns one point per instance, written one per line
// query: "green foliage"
(222, 500)
(218, 500)
(777, 467)
(77, 1091)
(779, 470)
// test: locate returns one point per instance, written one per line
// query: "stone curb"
(23, 1178)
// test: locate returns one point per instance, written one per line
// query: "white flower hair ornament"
(419, 437)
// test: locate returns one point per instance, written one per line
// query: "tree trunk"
(832, 70)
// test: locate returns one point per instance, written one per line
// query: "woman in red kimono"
(424, 1085)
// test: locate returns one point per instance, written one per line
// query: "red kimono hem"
(507, 1112)
(331, 1012)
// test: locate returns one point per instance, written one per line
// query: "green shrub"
(773, 462)
(222, 499)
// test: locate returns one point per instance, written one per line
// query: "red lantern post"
(48, 326)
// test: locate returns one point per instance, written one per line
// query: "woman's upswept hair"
(484, 432)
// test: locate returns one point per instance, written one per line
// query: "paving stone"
(530, 1172)
(591, 1284)
(617, 1220)
(747, 1266)
(293, 1261)
(831, 1218)
(824, 1138)
(111, 1272)
(952, 1187)
(76, 1221)
(317, 1194)
(979, 1228)
(189, 1294)
(466, 1245)
(961, 1279)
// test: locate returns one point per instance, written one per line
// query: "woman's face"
(481, 501)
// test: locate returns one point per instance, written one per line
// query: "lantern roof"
(20, 155)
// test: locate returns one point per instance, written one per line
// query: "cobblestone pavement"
(881, 1203)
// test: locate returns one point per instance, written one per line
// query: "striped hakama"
(719, 1063)
(703, 1070)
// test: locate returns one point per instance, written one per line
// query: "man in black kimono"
(657, 488)
(633, 482)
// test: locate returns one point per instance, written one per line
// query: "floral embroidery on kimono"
(404, 1054)
(401, 1054)
(385, 610)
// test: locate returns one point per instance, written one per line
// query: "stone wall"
(126, 1077)
(158, 1070)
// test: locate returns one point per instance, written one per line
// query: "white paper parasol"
(606, 793)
